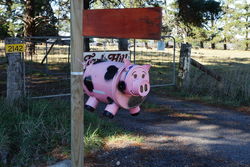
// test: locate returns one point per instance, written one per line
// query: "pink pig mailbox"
(120, 85)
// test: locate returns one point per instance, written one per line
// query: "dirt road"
(181, 134)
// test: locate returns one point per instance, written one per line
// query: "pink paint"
(120, 85)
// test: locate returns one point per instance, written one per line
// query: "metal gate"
(163, 70)
(47, 66)
(47, 70)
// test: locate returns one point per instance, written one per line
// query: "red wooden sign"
(138, 23)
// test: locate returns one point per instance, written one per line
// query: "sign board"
(117, 56)
(15, 48)
(137, 23)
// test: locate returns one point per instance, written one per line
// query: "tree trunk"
(201, 44)
(212, 25)
(247, 39)
(123, 44)
(225, 46)
(86, 47)
(213, 45)
(29, 25)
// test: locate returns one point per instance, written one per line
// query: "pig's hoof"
(135, 114)
(89, 108)
(108, 114)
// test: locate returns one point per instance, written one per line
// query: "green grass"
(31, 134)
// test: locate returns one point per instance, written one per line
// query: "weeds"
(30, 135)
(233, 90)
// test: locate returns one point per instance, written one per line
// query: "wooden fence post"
(15, 73)
(77, 110)
(184, 66)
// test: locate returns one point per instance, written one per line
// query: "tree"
(243, 21)
(199, 13)
(3, 29)
(28, 18)
(228, 23)
(3, 24)
(39, 20)
(168, 19)
(213, 13)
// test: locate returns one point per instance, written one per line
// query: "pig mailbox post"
(120, 85)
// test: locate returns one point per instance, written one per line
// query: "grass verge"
(206, 98)
(40, 132)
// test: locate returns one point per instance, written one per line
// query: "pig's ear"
(146, 67)
(127, 62)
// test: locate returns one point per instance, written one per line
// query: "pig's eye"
(135, 76)
(143, 76)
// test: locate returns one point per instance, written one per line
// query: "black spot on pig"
(111, 71)
(110, 100)
(121, 86)
(88, 83)
(135, 101)
(98, 61)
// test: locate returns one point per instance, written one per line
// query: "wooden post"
(184, 65)
(77, 109)
(15, 80)
(205, 69)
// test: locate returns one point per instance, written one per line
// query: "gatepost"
(184, 66)
(14, 48)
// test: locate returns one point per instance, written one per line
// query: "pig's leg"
(91, 104)
(135, 111)
(111, 110)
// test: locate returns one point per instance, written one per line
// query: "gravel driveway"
(185, 135)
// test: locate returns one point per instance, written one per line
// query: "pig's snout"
(141, 88)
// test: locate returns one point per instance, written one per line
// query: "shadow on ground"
(181, 134)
